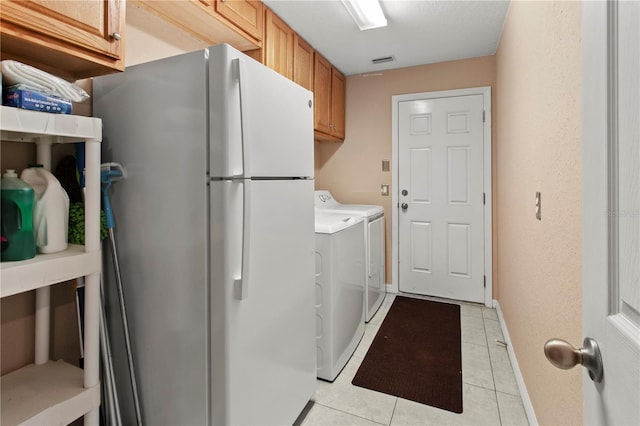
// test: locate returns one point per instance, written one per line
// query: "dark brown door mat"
(416, 354)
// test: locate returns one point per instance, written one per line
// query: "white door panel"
(611, 208)
(458, 175)
(421, 247)
(459, 253)
(441, 215)
(420, 175)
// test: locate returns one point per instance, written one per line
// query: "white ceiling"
(418, 31)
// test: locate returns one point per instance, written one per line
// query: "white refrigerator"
(215, 233)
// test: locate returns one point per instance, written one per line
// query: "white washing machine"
(340, 276)
(374, 236)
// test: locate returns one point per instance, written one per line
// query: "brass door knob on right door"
(564, 355)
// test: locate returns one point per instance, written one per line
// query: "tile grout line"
(352, 414)
(393, 412)
(495, 390)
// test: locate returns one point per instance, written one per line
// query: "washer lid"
(331, 222)
(324, 200)
(364, 210)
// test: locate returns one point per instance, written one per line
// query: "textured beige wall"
(539, 106)
(150, 38)
(352, 170)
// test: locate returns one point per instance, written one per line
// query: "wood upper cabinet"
(322, 94)
(329, 96)
(338, 86)
(69, 38)
(278, 45)
(302, 63)
(246, 14)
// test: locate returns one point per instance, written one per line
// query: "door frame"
(485, 91)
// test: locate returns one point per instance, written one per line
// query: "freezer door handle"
(240, 71)
(241, 283)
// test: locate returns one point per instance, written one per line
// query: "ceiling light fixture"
(383, 60)
(367, 14)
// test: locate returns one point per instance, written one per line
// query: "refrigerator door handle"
(367, 248)
(241, 283)
(241, 75)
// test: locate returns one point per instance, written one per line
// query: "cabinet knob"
(115, 36)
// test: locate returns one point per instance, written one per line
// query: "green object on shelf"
(76, 224)
(18, 237)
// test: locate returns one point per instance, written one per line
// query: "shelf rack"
(54, 392)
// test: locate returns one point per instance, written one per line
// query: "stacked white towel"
(14, 72)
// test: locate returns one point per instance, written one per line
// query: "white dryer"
(374, 238)
(340, 276)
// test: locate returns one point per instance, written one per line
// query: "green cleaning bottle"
(18, 238)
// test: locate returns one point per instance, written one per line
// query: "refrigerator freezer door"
(263, 346)
(261, 122)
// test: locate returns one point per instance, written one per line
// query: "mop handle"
(106, 206)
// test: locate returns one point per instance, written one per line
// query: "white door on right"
(440, 200)
(611, 207)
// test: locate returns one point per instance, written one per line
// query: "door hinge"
(484, 198)
(485, 281)
(484, 118)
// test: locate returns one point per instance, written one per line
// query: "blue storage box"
(22, 96)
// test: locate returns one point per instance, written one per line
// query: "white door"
(611, 208)
(440, 201)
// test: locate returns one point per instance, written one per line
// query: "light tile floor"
(490, 392)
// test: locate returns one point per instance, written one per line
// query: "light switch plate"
(538, 206)
(384, 190)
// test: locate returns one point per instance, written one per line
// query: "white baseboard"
(526, 401)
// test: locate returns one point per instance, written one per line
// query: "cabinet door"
(302, 63)
(337, 103)
(322, 94)
(96, 26)
(246, 14)
(278, 45)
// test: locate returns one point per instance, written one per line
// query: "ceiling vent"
(382, 60)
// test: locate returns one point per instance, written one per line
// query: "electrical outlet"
(384, 190)
(538, 206)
